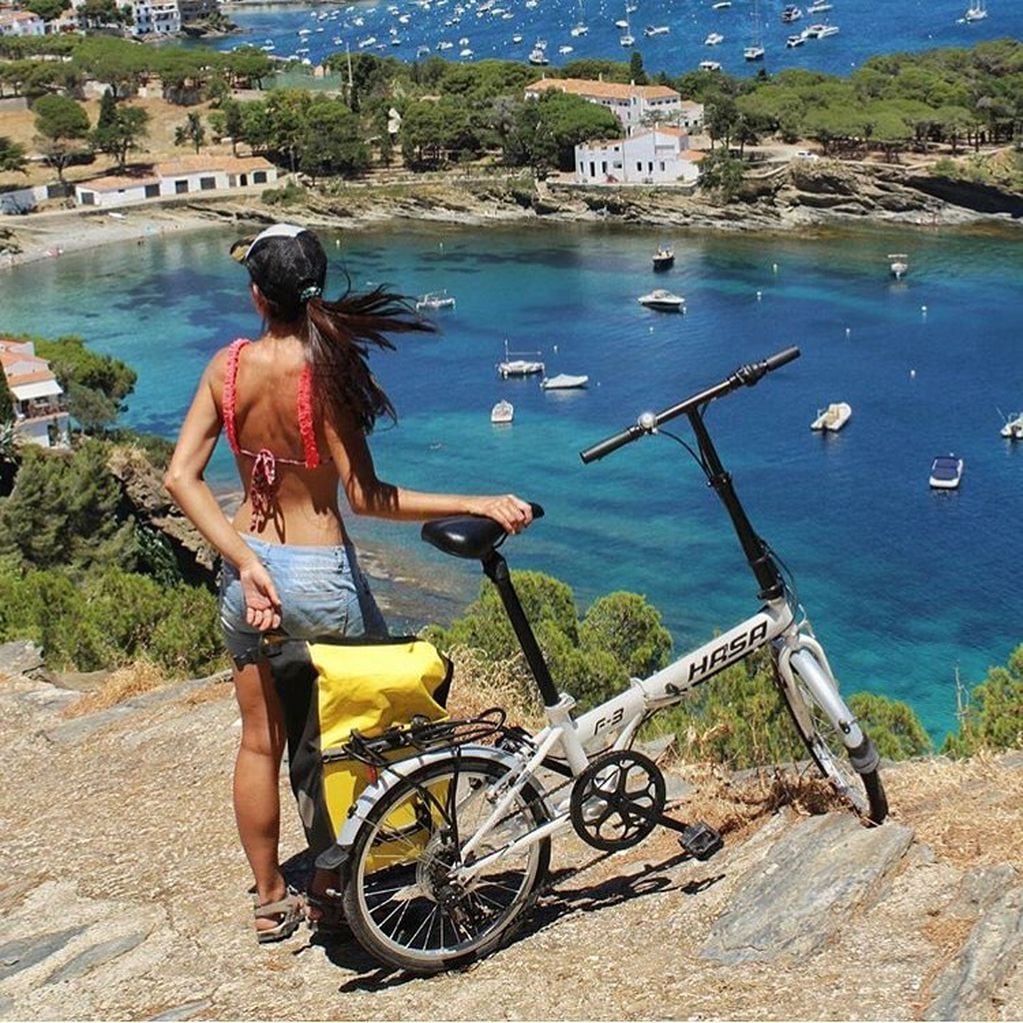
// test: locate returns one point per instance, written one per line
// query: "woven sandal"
(289, 912)
(331, 922)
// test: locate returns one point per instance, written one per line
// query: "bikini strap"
(305, 419)
(230, 394)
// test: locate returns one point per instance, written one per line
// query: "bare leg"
(256, 795)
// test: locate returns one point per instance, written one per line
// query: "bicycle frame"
(565, 744)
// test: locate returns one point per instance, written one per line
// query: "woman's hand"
(511, 512)
(262, 605)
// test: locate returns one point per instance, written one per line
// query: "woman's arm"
(187, 486)
(369, 495)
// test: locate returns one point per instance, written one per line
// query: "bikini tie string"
(264, 483)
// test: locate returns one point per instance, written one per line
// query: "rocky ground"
(123, 891)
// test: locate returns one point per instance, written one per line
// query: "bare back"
(303, 504)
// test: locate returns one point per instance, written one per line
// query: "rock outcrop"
(123, 893)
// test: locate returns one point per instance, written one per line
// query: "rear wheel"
(852, 773)
(403, 900)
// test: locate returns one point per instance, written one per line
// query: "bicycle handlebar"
(747, 375)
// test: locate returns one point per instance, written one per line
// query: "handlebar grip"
(773, 362)
(609, 444)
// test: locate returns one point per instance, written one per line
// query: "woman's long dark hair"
(338, 336)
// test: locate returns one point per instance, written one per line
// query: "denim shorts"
(322, 592)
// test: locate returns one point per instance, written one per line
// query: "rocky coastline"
(785, 197)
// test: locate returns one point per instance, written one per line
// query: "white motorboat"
(709, 65)
(826, 30)
(721, 5)
(977, 11)
(753, 53)
(502, 412)
(656, 30)
(898, 264)
(713, 39)
(819, 6)
(663, 300)
(519, 367)
(563, 382)
(565, 49)
(434, 300)
(1013, 428)
(946, 472)
(794, 41)
(538, 55)
(791, 13)
(833, 418)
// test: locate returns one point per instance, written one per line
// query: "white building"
(631, 104)
(652, 157)
(40, 407)
(690, 116)
(21, 23)
(155, 17)
(186, 176)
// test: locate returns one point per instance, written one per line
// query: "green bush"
(993, 719)
(621, 635)
(289, 195)
(111, 619)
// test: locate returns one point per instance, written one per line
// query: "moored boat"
(1012, 429)
(898, 264)
(946, 472)
(663, 300)
(663, 258)
(435, 300)
(563, 382)
(502, 412)
(833, 418)
(519, 367)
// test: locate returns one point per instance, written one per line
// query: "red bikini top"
(264, 471)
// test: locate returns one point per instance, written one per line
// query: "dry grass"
(164, 118)
(209, 694)
(480, 684)
(132, 680)
(969, 811)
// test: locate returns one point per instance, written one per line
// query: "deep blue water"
(903, 584)
(865, 27)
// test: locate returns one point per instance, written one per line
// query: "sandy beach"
(49, 235)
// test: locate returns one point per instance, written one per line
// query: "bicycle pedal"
(700, 840)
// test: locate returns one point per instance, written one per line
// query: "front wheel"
(403, 899)
(809, 695)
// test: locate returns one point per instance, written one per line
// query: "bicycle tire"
(862, 790)
(395, 909)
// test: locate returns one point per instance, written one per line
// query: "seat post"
(496, 570)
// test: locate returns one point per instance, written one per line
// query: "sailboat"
(755, 51)
(580, 28)
(627, 38)
(977, 11)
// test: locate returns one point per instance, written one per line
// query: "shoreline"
(831, 196)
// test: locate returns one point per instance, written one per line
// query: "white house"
(655, 156)
(631, 104)
(40, 407)
(188, 175)
(21, 23)
(690, 116)
(155, 17)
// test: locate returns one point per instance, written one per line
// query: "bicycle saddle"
(468, 536)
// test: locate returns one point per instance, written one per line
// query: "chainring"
(617, 801)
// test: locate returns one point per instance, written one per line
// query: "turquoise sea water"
(405, 30)
(903, 584)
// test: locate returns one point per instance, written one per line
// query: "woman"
(296, 405)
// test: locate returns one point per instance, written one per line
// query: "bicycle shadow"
(556, 903)
(559, 900)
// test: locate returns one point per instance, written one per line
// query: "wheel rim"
(407, 897)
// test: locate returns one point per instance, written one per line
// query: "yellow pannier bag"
(331, 688)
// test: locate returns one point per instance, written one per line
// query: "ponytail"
(338, 337)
